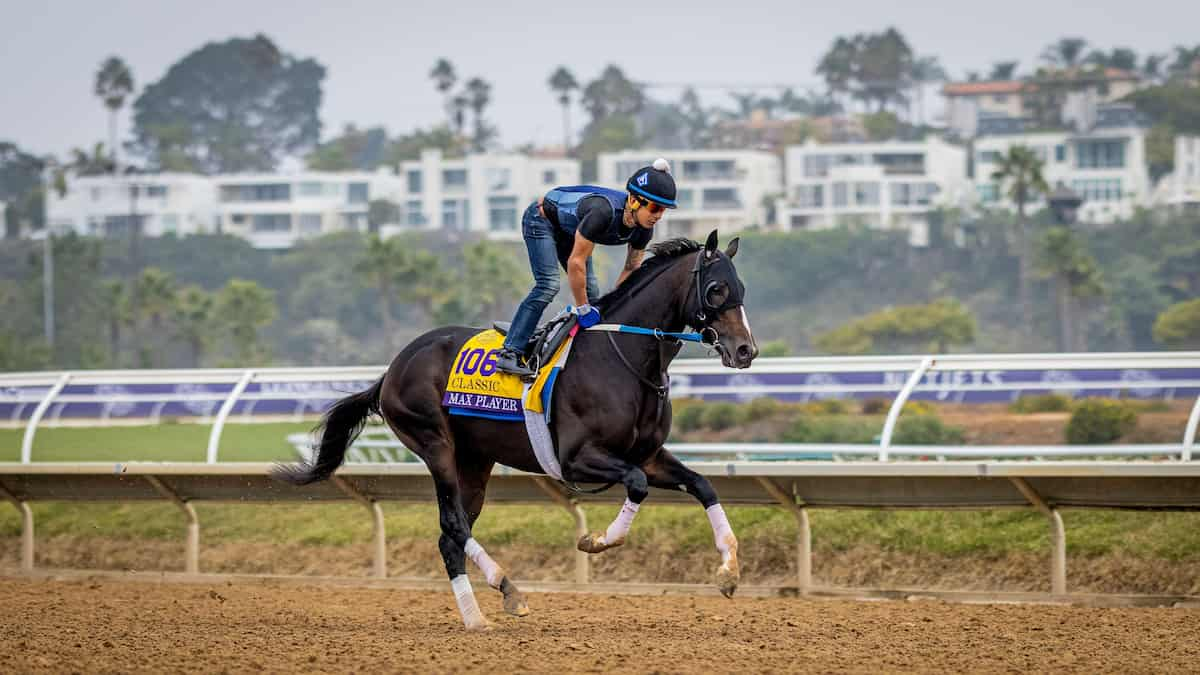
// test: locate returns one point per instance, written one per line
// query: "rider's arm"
(577, 268)
(633, 260)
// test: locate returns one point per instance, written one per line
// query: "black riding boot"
(509, 361)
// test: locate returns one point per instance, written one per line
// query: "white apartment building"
(726, 190)
(277, 210)
(888, 186)
(478, 193)
(163, 204)
(1105, 166)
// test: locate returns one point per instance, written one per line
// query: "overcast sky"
(379, 52)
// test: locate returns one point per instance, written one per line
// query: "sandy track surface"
(100, 626)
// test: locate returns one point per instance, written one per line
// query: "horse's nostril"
(743, 352)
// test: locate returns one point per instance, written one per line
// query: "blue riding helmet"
(654, 183)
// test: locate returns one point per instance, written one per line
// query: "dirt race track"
(104, 625)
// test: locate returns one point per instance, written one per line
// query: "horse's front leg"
(592, 464)
(666, 472)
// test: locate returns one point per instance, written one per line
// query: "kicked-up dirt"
(111, 626)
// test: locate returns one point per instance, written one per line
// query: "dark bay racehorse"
(609, 420)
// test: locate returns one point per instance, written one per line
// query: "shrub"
(687, 414)
(1155, 405)
(774, 348)
(926, 430)
(761, 408)
(1099, 420)
(875, 406)
(918, 408)
(1041, 403)
(810, 429)
(721, 416)
(826, 406)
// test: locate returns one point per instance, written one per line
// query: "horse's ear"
(710, 246)
(731, 249)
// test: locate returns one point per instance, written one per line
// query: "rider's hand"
(588, 316)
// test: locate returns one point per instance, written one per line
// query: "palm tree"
(114, 82)
(837, 66)
(925, 70)
(1021, 169)
(479, 94)
(1062, 257)
(1152, 66)
(244, 308)
(458, 114)
(1186, 63)
(562, 82)
(152, 301)
(1003, 70)
(1065, 53)
(192, 317)
(379, 269)
(444, 77)
(115, 301)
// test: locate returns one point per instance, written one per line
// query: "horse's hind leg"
(667, 472)
(472, 479)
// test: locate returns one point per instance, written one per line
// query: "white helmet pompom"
(662, 165)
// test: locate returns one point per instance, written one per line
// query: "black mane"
(664, 253)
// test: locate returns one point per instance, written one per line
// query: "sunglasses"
(652, 207)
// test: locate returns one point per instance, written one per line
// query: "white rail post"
(38, 413)
(889, 426)
(214, 438)
(26, 529)
(1058, 536)
(1189, 434)
(803, 533)
(379, 535)
(583, 566)
(191, 553)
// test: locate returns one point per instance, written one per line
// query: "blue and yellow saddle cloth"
(477, 389)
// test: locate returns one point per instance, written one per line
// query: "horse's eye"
(716, 295)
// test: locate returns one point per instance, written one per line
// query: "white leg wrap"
(465, 598)
(722, 532)
(619, 529)
(490, 568)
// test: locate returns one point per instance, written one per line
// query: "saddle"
(545, 340)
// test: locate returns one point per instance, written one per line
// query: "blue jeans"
(546, 254)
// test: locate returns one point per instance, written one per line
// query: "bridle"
(708, 334)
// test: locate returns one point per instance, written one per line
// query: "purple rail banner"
(299, 398)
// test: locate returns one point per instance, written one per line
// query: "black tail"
(340, 425)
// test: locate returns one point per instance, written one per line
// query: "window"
(816, 166)
(866, 194)
(721, 198)
(502, 213)
(626, 168)
(414, 182)
(158, 191)
(1099, 190)
(310, 189)
(454, 178)
(911, 164)
(455, 215)
(1060, 153)
(280, 192)
(988, 193)
(549, 177)
(1000, 98)
(357, 193)
(839, 194)
(272, 222)
(810, 196)
(686, 199)
(1100, 154)
(412, 213)
(712, 169)
(238, 219)
(988, 156)
(498, 179)
(310, 223)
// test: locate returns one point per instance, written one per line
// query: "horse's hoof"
(514, 604)
(727, 581)
(592, 543)
(483, 626)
